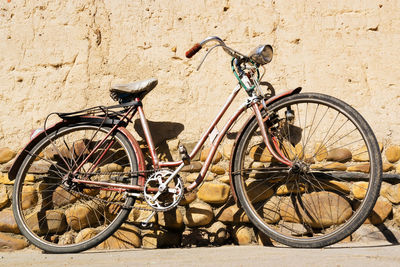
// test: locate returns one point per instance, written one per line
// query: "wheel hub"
(300, 167)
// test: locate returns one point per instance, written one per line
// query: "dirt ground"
(361, 254)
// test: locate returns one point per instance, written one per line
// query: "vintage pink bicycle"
(287, 169)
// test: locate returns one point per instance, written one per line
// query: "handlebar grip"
(192, 51)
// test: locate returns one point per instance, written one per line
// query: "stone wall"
(209, 216)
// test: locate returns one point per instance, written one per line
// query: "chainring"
(166, 199)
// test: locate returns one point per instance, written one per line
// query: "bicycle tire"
(318, 205)
(59, 217)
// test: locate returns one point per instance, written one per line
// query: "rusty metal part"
(149, 138)
(242, 130)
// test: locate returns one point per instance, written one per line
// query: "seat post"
(149, 138)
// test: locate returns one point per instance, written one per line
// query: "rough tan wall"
(64, 55)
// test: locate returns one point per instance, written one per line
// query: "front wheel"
(60, 216)
(334, 181)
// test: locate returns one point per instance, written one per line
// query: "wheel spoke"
(59, 215)
(308, 204)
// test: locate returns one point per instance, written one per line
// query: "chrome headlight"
(262, 54)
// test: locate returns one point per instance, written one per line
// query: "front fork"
(278, 156)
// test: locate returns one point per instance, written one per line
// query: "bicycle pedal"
(184, 155)
(146, 225)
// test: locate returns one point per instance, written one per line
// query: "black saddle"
(127, 92)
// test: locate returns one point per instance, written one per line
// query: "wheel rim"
(63, 215)
(317, 199)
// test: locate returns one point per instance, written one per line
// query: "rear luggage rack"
(114, 112)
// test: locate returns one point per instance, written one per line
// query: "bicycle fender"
(12, 173)
(240, 134)
(283, 95)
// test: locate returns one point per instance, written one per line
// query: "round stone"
(318, 209)
(337, 166)
(392, 153)
(86, 234)
(29, 197)
(62, 197)
(126, 237)
(139, 216)
(380, 212)
(243, 235)
(194, 166)
(12, 243)
(386, 167)
(6, 154)
(291, 188)
(7, 222)
(171, 219)
(336, 185)
(4, 179)
(361, 154)
(217, 233)
(233, 214)
(339, 154)
(4, 200)
(53, 222)
(320, 152)
(260, 153)
(227, 150)
(225, 179)
(258, 191)
(214, 193)
(193, 176)
(218, 170)
(359, 189)
(188, 198)
(206, 151)
(391, 192)
(359, 168)
(198, 214)
(257, 165)
(158, 238)
(80, 216)
(112, 167)
(270, 210)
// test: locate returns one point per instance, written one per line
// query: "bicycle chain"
(113, 202)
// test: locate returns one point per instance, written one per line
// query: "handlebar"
(196, 48)
(248, 75)
(192, 51)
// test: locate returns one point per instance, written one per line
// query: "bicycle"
(281, 170)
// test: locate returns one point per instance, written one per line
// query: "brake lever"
(204, 58)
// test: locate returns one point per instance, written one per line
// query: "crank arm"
(172, 175)
(146, 222)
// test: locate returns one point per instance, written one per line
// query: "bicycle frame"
(90, 170)
(251, 102)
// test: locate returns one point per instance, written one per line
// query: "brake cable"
(208, 52)
(237, 75)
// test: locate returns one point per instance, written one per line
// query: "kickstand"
(146, 224)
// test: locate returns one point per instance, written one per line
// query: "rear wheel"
(334, 181)
(60, 216)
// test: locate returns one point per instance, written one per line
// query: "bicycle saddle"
(136, 89)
